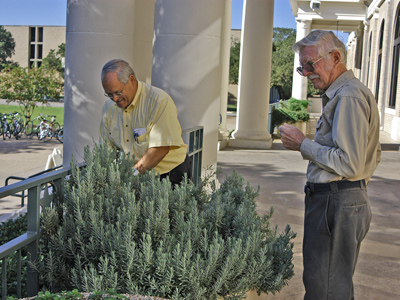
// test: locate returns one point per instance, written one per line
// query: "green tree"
(234, 63)
(282, 60)
(54, 59)
(7, 48)
(30, 87)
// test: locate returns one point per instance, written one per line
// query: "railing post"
(32, 248)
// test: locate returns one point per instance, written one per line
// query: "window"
(378, 75)
(32, 51)
(40, 30)
(36, 47)
(32, 34)
(395, 63)
(40, 52)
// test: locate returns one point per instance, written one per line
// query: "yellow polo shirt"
(151, 120)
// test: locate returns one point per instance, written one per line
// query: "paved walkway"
(280, 174)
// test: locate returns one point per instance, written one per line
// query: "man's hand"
(151, 158)
(291, 137)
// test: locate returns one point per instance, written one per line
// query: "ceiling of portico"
(335, 15)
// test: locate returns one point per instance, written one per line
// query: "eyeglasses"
(309, 67)
(118, 94)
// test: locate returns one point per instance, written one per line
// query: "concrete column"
(97, 31)
(143, 39)
(223, 132)
(351, 48)
(254, 76)
(365, 53)
(299, 86)
(187, 63)
(384, 86)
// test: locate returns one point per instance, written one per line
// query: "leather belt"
(333, 186)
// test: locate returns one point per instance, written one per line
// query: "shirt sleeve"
(104, 130)
(165, 129)
(347, 155)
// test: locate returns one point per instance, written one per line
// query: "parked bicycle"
(60, 135)
(47, 130)
(42, 128)
(5, 127)
(16, 125)
(32, 126)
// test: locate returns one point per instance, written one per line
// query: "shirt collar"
(137, 96)
(337, 84)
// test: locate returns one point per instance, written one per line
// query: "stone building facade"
(373, 47)
(33, 43)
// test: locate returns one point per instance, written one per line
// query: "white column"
(97, 31)
(299, 86)
(365, 53)
(223, 133)
(384, 86)
(143, 39)
(254, 76)
(187, 63)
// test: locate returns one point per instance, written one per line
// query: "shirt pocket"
(141, 144)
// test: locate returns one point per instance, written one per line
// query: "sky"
(53, 13)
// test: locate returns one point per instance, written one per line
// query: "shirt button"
(126, 125)
(127, 140)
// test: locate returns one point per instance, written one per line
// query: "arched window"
(378, 75)
(395, 62)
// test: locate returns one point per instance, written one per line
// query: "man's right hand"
(291, 137)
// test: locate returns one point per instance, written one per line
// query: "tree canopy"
(282, 61)
(7, 48)
(234, 63)
(29, 87)
(53, 60)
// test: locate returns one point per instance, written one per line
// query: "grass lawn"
(44, 110)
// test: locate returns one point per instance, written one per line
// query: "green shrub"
(290, 112)
(137, 235)
(9, 230)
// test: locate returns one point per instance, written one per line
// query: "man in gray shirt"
(342, 158)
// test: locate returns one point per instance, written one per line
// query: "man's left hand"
(291, 137)
(151, 158)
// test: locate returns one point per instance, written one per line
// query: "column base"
(250, 144)
(223, 139)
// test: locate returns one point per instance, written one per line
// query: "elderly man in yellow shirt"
(143, 120)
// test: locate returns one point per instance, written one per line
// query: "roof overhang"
(335, 15)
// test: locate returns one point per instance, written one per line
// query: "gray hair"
(119, 66)
(325, 41)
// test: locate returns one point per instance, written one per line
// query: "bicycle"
(5, 127)
(60, 135)
(32, 126)
(16, 126)
(47, 130)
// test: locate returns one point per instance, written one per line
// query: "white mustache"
(311, 77)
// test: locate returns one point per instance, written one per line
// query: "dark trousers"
(177, 174)
(335, 223)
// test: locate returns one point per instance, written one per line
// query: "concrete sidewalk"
(280, 173)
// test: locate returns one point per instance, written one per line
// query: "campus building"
(33, 43)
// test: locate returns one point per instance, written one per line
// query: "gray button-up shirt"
(346, 143)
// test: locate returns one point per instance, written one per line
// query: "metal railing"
(43, 191)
